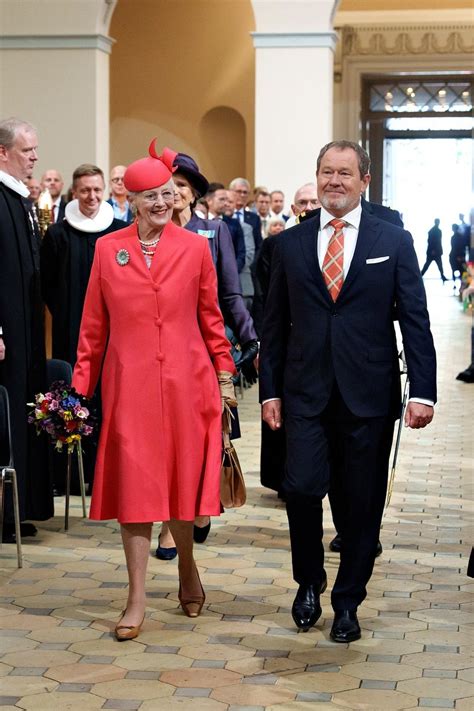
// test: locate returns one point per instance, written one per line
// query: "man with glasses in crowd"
(119, 196)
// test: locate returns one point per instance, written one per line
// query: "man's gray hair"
(238, 181)
(10, 127)
(362, 155)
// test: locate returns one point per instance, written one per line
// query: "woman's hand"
(2, 349)
(226, 386)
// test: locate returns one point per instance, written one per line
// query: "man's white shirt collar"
(352, 218)
(14, 184)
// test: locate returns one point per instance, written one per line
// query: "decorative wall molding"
(406, 40)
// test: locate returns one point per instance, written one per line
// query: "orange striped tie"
(333, 264)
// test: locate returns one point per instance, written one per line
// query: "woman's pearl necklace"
(149, 244)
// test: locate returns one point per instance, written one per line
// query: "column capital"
(294, 16)
(100, 42)
(295, 39)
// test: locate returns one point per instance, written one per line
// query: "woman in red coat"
(152, 328)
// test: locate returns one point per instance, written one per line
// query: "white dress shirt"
(351, 231)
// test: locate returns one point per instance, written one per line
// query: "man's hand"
(271, 414)
(2, 349)
(418, 415)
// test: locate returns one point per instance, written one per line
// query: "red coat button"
(158, 321)
(160, 356)
(156, 288)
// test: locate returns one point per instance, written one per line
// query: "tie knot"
(338, 224)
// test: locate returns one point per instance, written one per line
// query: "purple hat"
(188, 167)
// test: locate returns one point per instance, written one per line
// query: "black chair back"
(58, 370)
(6, 456)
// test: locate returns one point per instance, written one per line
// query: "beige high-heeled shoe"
(192, 604)
(125, 632)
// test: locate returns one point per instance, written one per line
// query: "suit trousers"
(351, 455)
(437, 261)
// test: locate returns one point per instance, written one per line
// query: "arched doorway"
(223, 133)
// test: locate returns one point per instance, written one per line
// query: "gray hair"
(10, 127)
(362, 155)
(238, 181)
(276, 221)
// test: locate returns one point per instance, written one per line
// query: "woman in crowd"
(153, 327)
(190, 185)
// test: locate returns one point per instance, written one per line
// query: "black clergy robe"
(66, 261)
(23, 372)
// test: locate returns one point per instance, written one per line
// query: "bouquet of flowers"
(63, 415)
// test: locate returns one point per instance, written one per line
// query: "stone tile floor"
(243, 653)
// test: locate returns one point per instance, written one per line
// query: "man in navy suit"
(241, 188)
(329, 364)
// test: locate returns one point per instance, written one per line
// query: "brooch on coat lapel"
(122, 257)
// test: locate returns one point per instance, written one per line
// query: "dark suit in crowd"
(335, 367)
(238, 240)
(383, 212)
(228, 283)
(59, 217)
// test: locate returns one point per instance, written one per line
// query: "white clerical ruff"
(100, 222)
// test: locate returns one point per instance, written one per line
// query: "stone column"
(54, 72)
(294, 43)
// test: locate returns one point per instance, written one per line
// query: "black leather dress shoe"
(345, 627)
(335, 545)
(306, 609)
(467, 376)
(200, 533)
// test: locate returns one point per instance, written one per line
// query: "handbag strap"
(227, 417)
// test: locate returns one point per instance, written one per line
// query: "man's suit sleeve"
(414, 323)
(239, 246)
(257, 233)
(230, 292)
(276, 325)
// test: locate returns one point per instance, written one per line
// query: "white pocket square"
(376, 260)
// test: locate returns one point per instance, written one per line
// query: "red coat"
(160, 335)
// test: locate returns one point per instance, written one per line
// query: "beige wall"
(172, 64)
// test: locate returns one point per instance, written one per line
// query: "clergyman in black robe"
(23, 370)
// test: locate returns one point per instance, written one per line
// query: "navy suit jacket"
(382, 211)
(238, 240)
(61, 209)
(253, 219)
(309, 341)
(231, 301)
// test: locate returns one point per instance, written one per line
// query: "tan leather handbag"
(233, 491)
